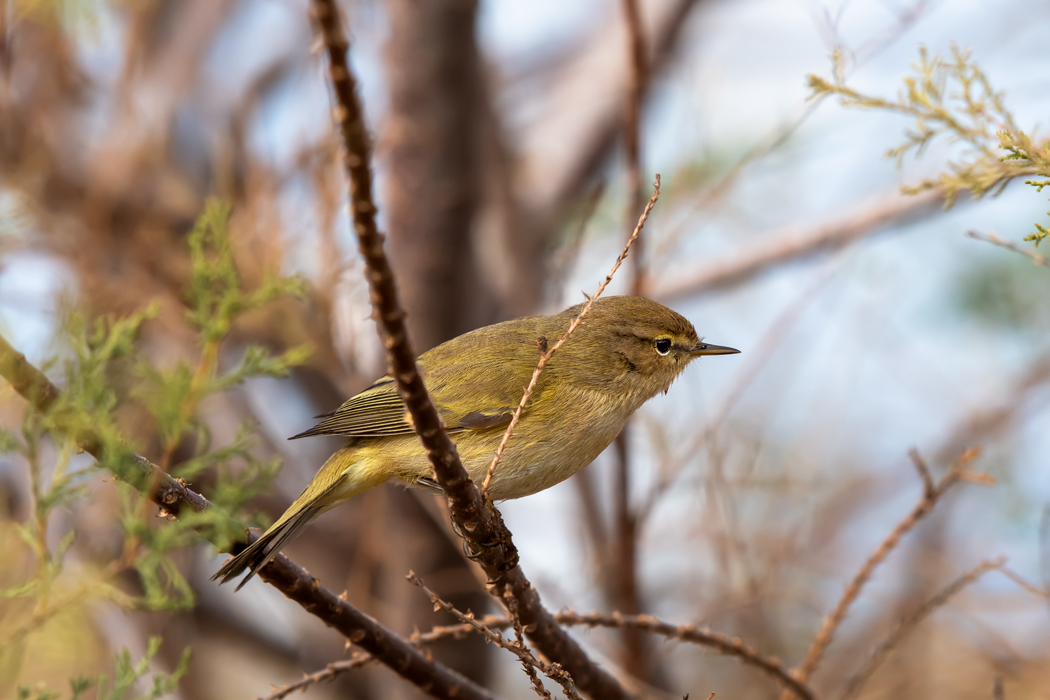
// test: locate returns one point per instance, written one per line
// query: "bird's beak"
(709, 349)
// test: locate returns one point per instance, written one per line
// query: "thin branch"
(924, 472)
(172, 495)
(546, 357)
(417, 639)
(907, 625)
(923, 508)
(730, 646)
(995, 240)
(530, 662)
(1030, 587)
(326, 674)
(475, 518)
(723, 644)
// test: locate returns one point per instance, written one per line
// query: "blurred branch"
(1020, 581)
(430, 147)
(671, 467)
(996, 414)
(905, 626)
(292, 580)
(730, 646)
(621, 577)
(995, 240)
(479, 522)
(791, 245)
(929, 499)
(771, 142)
(594, 82)
(721, 643)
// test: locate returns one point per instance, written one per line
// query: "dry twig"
(1016, 578)
(905, 626)
(723, 644)
(546, 357)
(995, 240)
(923, 508)
(480, 524)
(730, 646)
(518, 648)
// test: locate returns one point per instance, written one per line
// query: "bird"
(626, 350)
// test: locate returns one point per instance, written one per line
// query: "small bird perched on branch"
(626, 350)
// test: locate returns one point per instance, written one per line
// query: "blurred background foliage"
(176, 254)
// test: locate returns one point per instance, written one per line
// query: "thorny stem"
(474, 517)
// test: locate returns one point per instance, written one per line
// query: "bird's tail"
(262, 550)
(341, 477)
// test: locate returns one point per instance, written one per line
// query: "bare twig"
(172, 495)
(479, 522)
(518, 648)
(730, 646)
(1020, 581)
(545, 358)
(922, 509)
(905, 626)
(691, 634)
(924, 472)
(326, 674)
(417, 639)
(995, 240)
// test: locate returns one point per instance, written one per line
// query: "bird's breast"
(556, 439)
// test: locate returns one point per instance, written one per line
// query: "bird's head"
(634, 345)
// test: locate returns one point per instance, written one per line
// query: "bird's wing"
(375, 412)
(474, 381)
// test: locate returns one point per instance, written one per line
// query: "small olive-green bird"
(626, 351)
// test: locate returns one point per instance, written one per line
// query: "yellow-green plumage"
(626, 351)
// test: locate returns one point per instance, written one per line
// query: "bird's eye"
(663, 345)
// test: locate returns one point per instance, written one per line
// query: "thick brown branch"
(479, 523)
(172, 495)
(622, 577)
